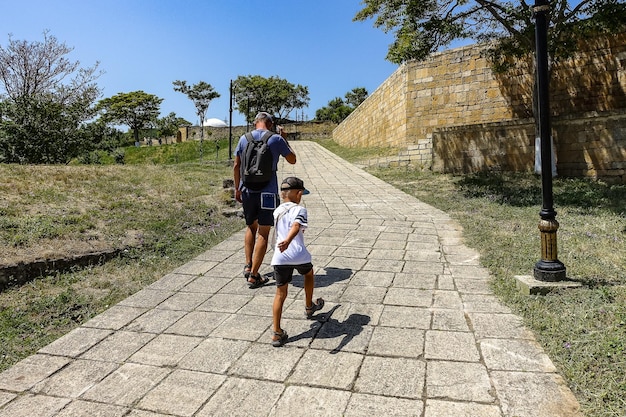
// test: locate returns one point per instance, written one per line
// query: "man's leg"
(249, 240)
(250, 204)
(260, 247)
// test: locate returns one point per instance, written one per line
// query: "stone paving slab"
(410, 328)
(182, 393)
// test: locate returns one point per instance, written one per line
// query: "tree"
(201, 94)
(40, 130)
(103, 137)
(31, 69)
(168, 125)
(425, 26)
(356, 97)
(338, 109)
(45, 99)
(137, 110)
(274, 95)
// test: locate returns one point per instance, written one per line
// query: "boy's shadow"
(332, 275)
(325, 327)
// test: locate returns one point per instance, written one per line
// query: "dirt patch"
(65, 248)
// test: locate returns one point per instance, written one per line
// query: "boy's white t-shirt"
(284, 217)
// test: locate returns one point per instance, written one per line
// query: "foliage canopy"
(422, 27)
(338, 109)
(45, 100)
(200, 94)
(137, 110)
(168, 125)
(274, 95)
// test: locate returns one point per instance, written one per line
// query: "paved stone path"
(410, 328)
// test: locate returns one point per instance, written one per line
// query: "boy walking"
(290, 220)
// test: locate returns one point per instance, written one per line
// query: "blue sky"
(147, 44)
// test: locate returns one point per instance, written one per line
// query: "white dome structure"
(213, 122)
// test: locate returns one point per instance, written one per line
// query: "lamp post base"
(549, 271)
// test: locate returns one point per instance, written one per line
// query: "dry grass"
(50, 211)
(163, 215)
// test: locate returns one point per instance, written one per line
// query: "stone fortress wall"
(452, 113)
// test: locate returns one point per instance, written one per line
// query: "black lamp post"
(549, 268)
(248, 114)
(230, 124)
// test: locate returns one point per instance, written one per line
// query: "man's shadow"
(325, 327)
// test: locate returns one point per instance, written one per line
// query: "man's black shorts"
(257, 206)
(283, 274)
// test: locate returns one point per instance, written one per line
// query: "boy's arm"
(295, 228)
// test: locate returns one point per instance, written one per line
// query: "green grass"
(583, 330)
(210, 149)
(357, 154)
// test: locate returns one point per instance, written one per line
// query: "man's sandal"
(259, 281)
(282, 338)
(247, 270)
(317, 305)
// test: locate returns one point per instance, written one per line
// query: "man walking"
(259, 199)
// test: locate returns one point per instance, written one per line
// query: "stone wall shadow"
(522, 191)
(592, 80)
(516, 86)
(502, 146)
(589, 84)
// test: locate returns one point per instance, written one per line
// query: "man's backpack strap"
(266, 136)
